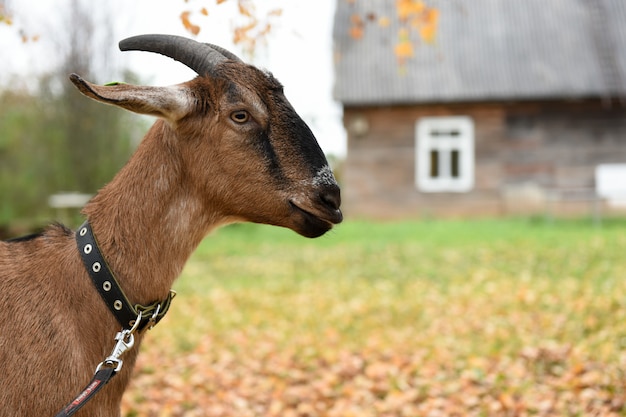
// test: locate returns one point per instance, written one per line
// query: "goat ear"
(169, 103)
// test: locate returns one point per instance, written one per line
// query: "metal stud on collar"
(109, 289)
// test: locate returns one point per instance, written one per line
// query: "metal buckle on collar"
(125, 340)
(153, 319)
(156, 311)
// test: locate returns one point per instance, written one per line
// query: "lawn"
(431, 318)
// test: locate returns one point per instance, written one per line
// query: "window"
(444, 154)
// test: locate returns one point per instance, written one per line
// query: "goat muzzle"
(319, 215)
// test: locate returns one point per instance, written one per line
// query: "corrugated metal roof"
(484, 50)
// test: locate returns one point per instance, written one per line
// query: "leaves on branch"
(413, 18)
(7, 19)
(356, 27)
(249, 27)
(191, 28)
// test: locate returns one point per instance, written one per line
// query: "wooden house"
(513, 106)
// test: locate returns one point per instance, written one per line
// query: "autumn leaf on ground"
(496, 320)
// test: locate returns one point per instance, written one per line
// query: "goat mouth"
(316, 222)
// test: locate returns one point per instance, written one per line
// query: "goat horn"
(200, 57)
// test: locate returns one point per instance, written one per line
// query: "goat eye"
(240, 116)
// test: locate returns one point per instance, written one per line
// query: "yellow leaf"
(428, 29)
(356, 32)
(244, 9)
(403, 35)
(431, 16)
(190, 27)
(407, 8)
(204, 11)
(417, 7)
(404, 49)
(384, 22)
(356, 29)
(428, 32)
(241, 33)
(356, 19)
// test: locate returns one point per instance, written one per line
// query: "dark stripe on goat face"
(298, 142)
(264, 145)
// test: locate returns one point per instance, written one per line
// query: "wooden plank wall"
(524, 152)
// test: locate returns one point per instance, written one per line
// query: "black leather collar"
(109, 289)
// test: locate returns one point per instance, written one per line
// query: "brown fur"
(195, 170)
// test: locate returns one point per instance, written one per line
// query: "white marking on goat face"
(324, 177)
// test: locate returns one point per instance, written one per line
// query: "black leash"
(133, 318)
(100, 379)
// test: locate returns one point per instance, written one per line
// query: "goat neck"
(148, 221)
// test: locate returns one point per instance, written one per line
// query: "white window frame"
(450, 142)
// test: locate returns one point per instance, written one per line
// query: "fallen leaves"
(392, 326)
(393, 382)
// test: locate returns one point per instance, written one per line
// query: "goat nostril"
(331, 197)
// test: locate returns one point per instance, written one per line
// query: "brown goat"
(228, 147)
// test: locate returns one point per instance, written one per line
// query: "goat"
(227, 147)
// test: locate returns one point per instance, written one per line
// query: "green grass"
(480, 287)
(479, 318)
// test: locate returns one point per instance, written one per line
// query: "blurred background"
(489, 108)
(481, 150)
(426, 109)
(54, 141)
